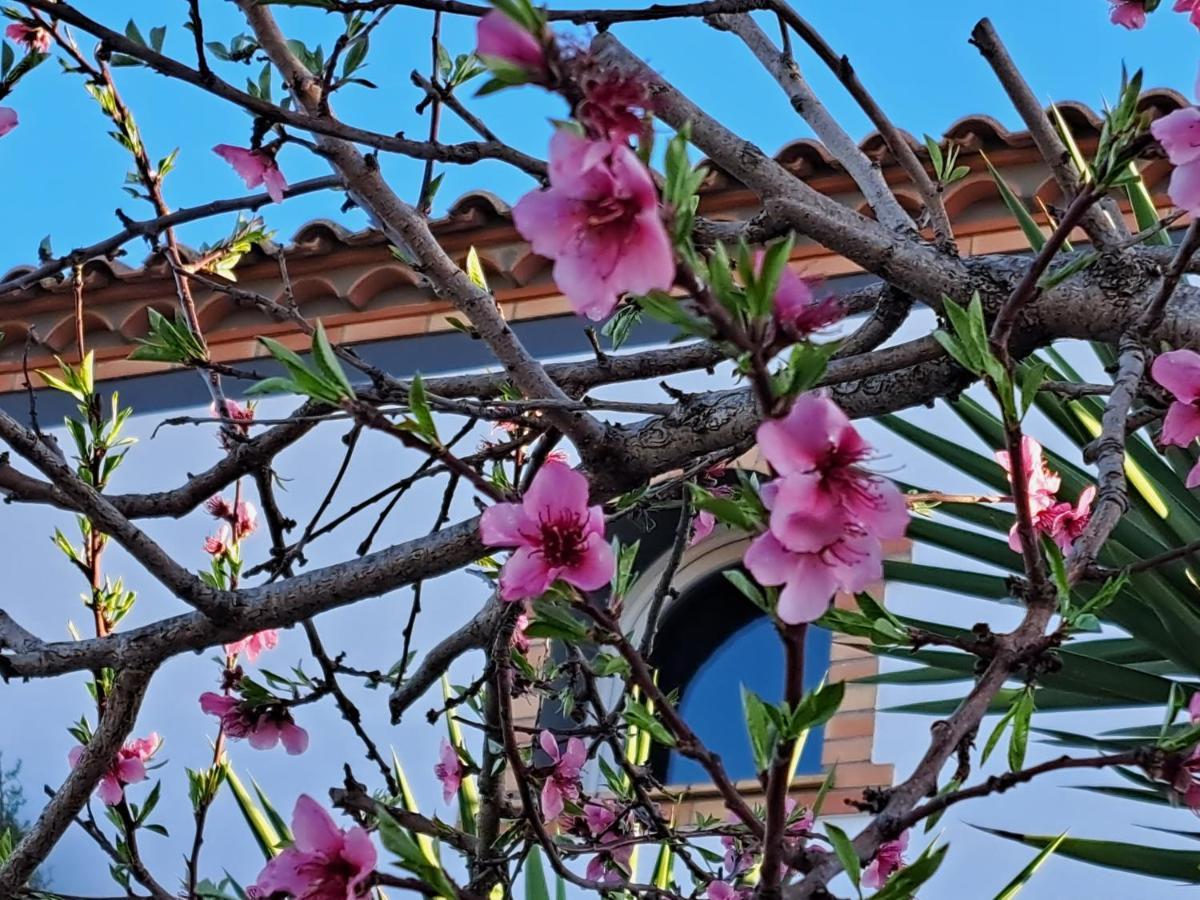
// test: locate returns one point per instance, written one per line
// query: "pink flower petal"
(768, 560)
(8, 120)
(557, 490)
(549, 745)
(131, 771)
(505, 525)
(247, 163)
(1128, 14)
(293, 737)
(808, 592)
(798, 441)
(217, 704)
(499, 37)
(1184, 188)
(552, 800)
(358, 850)
(110, 790)
(264, 735)
(274, 182)
(286, 874)
(1181, 425)
(313, 828)
(806, 516)
(1193, 477)
(595, 569)
(1179, 372)
(525, 575)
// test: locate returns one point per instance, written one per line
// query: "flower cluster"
(889, 858)
(599, 220)
(613, 865)
(129, 767)
(827, 514)
(555, 533)
(563, 780)
(1061, 521)
(262, 724)
(1179, 372)
(324, 862)
(239, 522)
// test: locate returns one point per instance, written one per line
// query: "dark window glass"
(711, 642)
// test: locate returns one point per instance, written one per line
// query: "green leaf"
(846, 854)
(1177, 865)
(1017, 744)
(759, 728)
(475, 269)
(418, 402)
(1033, 232)
(535, 876)
(327, 361)
(639, 716)
(265, 835)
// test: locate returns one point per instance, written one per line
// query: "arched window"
(713, 642)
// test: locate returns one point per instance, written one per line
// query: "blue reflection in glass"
(712, 699)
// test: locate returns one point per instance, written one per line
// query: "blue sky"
(63, 174)
(63, 177)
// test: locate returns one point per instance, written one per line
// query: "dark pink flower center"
(611, 211)
(563, 542)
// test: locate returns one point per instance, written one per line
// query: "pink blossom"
(799, 311)
(562, 783)
(1179, 372)
(29, 37)
(556, 533)
(705, 522)
(723, 890)
(823, 490)
(888, 859)
(256, 167)
(449, 771)
(1194, 708)
(240, 418)
(611, 866)
(246, 520)
(1064, 522)
(1179, 134)
(600, 223)
(520, 640)
(1042, 483)
(324, 863)
(1129, 14)
(254, 644)
(1192, 8)
(501, 42)
(263, 726)
(129, 767)
(738, 857)
(220, 543)
(614, 105)
(849, 563)
(8, 120)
